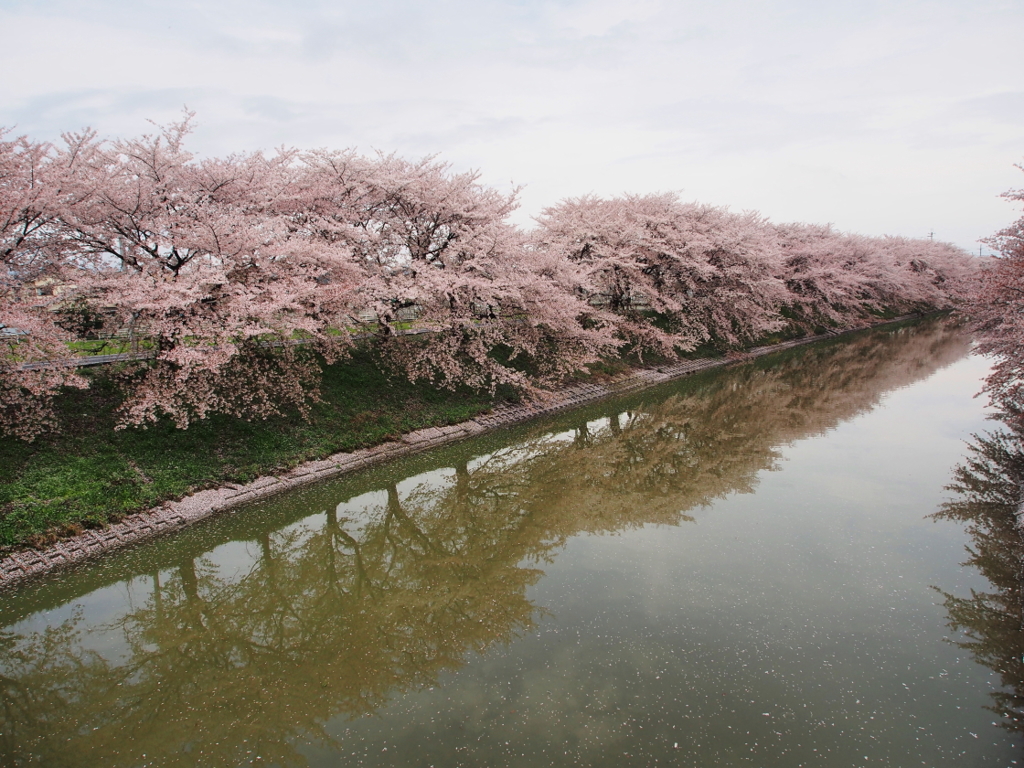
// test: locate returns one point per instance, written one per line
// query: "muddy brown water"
(738, 568)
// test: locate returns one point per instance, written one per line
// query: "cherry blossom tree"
(997, 308)
(819, 268)
(437, 248)
(201, 262)
(838, 280)
(704, 272)
(35, 361)
(928, 274)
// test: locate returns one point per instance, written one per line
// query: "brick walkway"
(173, 515)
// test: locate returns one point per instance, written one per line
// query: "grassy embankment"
(91, 474)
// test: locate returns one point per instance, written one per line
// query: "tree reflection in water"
(381, 593)
(988, 487)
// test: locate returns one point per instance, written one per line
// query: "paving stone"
(317, 466)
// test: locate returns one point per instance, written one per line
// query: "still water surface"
(740, 568)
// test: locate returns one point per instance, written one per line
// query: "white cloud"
(898, 117)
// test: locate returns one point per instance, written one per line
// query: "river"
(744, 567)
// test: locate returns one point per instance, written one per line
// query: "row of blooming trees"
(236, 277)
(704, 273)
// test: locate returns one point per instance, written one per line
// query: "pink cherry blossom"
(236, 277)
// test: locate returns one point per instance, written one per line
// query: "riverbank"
(172, 515)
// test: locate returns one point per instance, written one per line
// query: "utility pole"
(931, 235)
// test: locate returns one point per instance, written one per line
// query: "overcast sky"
(881, 117)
